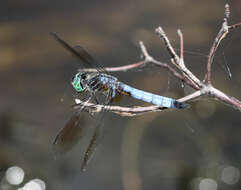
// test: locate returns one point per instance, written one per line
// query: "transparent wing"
(97, 136)
(75, 130)
(70, 134)
(79, 53)
(95, 140)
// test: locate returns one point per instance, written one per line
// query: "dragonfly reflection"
(107, 85)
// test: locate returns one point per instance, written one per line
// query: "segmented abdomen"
(161, 101)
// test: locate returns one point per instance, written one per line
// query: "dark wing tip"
(181, 105)
(53, 34)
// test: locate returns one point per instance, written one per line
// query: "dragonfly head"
(77, 81)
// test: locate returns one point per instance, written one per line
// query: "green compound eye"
(76, 83)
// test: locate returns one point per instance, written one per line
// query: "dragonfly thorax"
(77, 82)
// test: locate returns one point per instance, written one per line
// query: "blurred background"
(196, 148)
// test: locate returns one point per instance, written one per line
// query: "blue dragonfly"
(111, 88)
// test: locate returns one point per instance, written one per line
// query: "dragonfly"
(111, 88)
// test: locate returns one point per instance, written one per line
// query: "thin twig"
(147, 59)
(123, 111)
(221, 35)
(179, 63)
(234, 26)
(167, 43)
(227, 11)
(168, 67)
(219, 95)
(182, 73)
(179, 32)
(116, 69)
(223, 32)
(128, 111)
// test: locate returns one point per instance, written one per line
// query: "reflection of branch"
(181, 72)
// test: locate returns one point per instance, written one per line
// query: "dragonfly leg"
(83, 106)
(94, 97)
(110, 96)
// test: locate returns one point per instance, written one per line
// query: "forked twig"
(222, 34)
(181, 72)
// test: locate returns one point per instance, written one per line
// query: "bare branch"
(128, 111)
(178, 62)
(234, 26)
(221, 35)
(223, 32)
(123, 111)
(190, 97)
(227, 11)
(116, 69)
(179, 32)
(181, 72)
(168, 67)
(219, 95)
(147, 59)
(168, 45)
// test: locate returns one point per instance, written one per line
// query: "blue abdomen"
(161, 101)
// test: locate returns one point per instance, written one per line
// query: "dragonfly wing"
(93, 144)
(88, 58)
(97, 136)
(78, 52)
(69, 47)
(69, 135)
